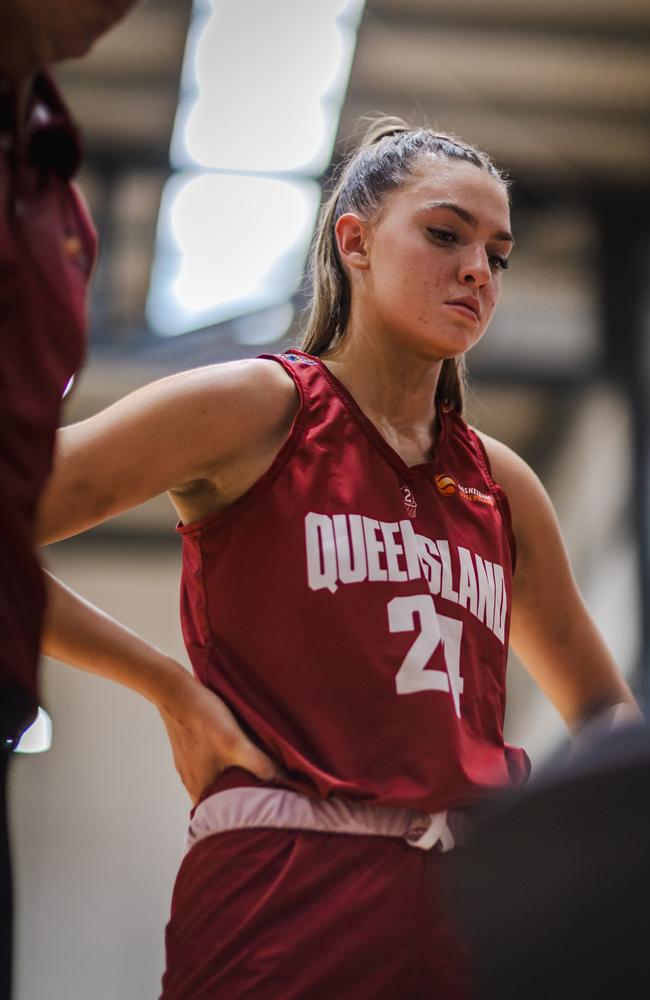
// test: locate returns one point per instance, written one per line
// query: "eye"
(443, 235)
(499, 263)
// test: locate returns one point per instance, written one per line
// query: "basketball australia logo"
(448, 486)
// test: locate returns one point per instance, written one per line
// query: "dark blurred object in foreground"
(553, 891)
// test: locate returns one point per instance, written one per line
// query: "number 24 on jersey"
(404, 614)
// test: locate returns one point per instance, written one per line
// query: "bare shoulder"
(197, 426)
(240, 404)
(247, 409)
(258, 370)
(508, 468)
(533, 515)
(256, 383)
(195, 419)
(230, 404)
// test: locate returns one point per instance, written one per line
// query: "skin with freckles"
(406, 266)
(417, 256)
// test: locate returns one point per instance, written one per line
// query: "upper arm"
(551, 629)
(177, 430)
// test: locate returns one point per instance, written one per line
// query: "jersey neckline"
(374, 434)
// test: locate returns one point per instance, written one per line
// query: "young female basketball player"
(356, 561)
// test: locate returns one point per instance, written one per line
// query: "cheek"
(422, 281)
(492, 293)
(488, 306)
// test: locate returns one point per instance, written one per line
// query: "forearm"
(567, 657)
(204, 735)
(572, 664)
(83, 636)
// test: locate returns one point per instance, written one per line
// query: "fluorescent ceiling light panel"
(261, 92)
(228, 244)
(263, 83)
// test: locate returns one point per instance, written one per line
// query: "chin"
(442, 349)
(436, 342)
(458, 340)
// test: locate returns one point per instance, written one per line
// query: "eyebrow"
(503, 236)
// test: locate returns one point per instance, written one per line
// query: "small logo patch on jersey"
(409, 501)
(299, 359)
(447, 485)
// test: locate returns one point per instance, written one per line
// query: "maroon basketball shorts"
(286, 914)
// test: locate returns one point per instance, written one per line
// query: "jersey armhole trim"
(500, 495)
(210, 521)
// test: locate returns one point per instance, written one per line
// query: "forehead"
(437, 178)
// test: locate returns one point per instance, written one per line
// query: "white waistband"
(247, 808)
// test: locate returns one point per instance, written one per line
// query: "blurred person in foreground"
(47, 249)
(552, 890)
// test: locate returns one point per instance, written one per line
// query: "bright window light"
(38, 738)
(229, 244)
(263, 82)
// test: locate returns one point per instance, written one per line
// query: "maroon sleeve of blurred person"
(47, 250)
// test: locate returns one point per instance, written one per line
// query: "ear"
(352, 241)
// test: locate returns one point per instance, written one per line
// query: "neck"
(385, 378)
(395, 388)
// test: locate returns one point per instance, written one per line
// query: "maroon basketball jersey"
(354, 611)
(47, 249)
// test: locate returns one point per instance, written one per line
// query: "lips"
(467, 302)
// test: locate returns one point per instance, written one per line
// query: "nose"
(475, 267)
